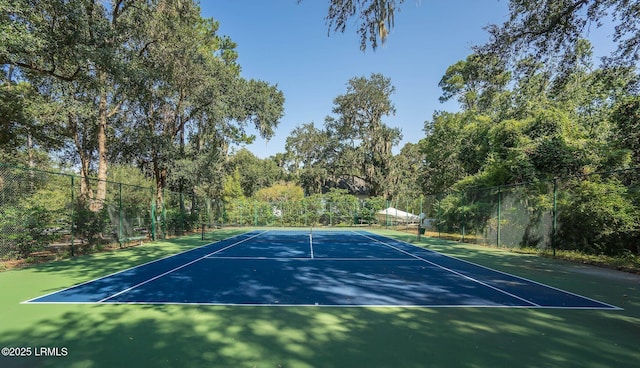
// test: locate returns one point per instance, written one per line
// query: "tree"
(442, 165)
(190, 97)
(549, 28)
(309, 151)
(376, 17)
(280, 192)
(404, 177)
(365, 141)
(77, 54)
(476, 82)
(255, 173)
(24, 138)
(626, 117)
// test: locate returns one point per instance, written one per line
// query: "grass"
(627, 263)
(219, 336)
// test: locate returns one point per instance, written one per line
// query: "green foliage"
(549, 30)
(476, 82)
(598, 217)
(376, 18)
(91, 227)
(280, 192)
(443, 162)
(26, 229)
(232, 187)
(255, 173)
(357, 144)
(626, 117)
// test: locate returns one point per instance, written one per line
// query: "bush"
(92, 227)
(597, 218)
(26, 230)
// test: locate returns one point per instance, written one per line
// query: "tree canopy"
(149, 91)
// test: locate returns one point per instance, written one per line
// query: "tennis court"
(317, 268)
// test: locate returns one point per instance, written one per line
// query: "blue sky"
(286, 43)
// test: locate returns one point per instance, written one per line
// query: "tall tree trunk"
(160, 174)
(84, 153)
(101, 188)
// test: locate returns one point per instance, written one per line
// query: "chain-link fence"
(43, 212)
(597, 213)
(317, 211)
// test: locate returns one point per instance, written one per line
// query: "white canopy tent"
(397, 216)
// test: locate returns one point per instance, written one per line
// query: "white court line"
(177, 268)
(453, 271)
(611, 306)
(132, 268)
(311, 243)
(360, 259)
(278, 305)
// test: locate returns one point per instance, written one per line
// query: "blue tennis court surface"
(324, 268)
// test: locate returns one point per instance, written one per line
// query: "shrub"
(597, 218)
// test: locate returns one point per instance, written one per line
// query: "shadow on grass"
(199, 336)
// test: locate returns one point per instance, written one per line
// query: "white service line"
(453, 271)
(311, 243)
(177, 268)
(360, 259)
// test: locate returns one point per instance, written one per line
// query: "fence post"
(182, 214)
(438, 218)
(163, 214)
(406, 220)
(330, 214)
(73, 215)
(499, 214)
(464, 216)
(120, 237)
(153, 215)
(224, 212)
(555, 216)
(255, 214)
(420, 218)
(386, 215)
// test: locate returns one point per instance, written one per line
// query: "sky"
(287, 44)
